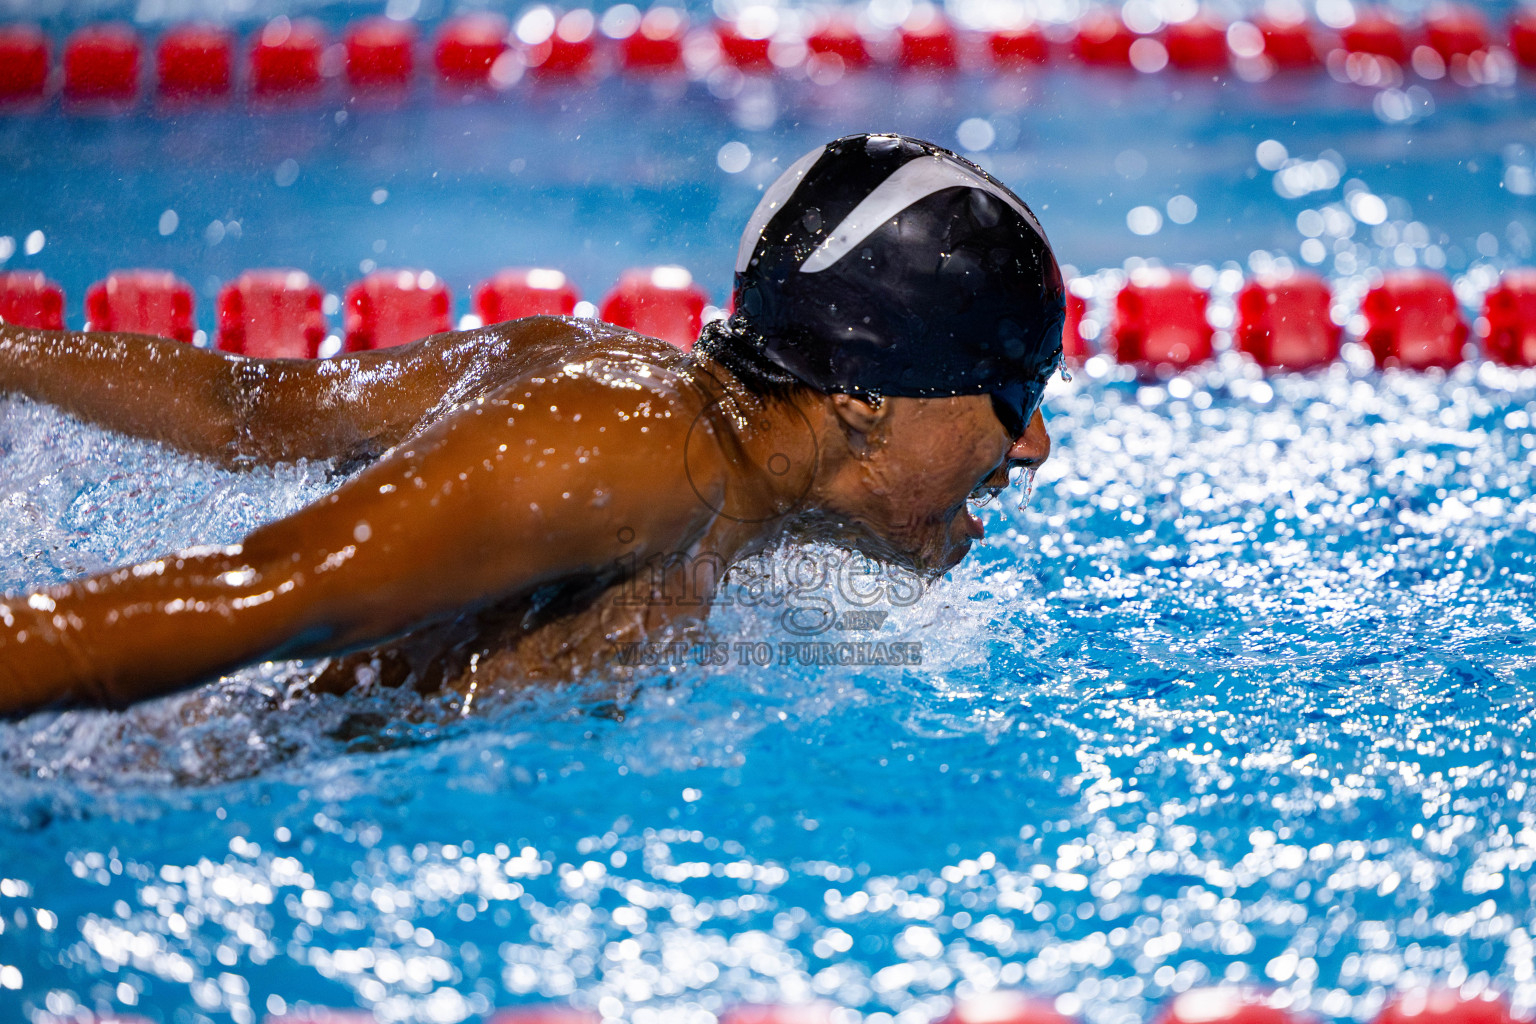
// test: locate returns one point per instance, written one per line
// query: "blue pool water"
(1243, 694)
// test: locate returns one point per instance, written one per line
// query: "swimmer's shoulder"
(609, 413)
(549, 331)
(615, 358)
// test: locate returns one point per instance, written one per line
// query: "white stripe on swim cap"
(782, 188)
(910, 182)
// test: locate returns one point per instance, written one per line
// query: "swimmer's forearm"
(153, 388)
(316, 583)
(143, 631)
(161, 626)
(220, 406)
(238, 410)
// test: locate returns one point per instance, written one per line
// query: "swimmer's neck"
(773, 450)
(788, 459)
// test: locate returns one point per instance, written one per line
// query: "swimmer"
(531, 490)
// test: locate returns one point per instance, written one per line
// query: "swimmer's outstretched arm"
(471, 512)
(238, 410)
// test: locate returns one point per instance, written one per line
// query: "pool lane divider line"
(1161, 321)
(106, 66)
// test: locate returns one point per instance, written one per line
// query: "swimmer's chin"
(949, 545)
(943, 547)
(964, 530)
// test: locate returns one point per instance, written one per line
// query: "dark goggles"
(1016, 404)
(1017, 401)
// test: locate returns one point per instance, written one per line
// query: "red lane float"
(1103, 40)
(1285, 323)
(101, 62)
(1007, 1006)
(1199, 44)
(743, 52)
(393, 307)
(1222, 1006)
(1074, 347)
(656, 47)
(789, 1013)
(1522, 36)
(141, 302)
(1378, 33)
(1413, 321)
(28, 299)
(467, 47)
(1456, 31)
(321, 1015)
(23, 61)
(1160, 322)
(285, 57)
(195, 61)
(1443, 1006)
(381, 54)
(525, 291)
(837, 36)
(570, 48)
(928, 43)
(1291, 45)
(1020, 47)
(1510, 310)
(272, 314)
(662, 302)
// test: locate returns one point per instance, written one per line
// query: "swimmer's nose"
(1031, 450)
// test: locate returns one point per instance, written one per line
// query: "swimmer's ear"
(860, 415)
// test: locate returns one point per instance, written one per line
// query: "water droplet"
(1027, 477)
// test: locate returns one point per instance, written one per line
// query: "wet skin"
(516, 477)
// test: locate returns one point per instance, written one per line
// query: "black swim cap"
(884, 265)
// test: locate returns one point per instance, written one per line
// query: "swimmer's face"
(917, 462)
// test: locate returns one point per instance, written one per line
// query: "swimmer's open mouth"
(982, 496)
(977, 500)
